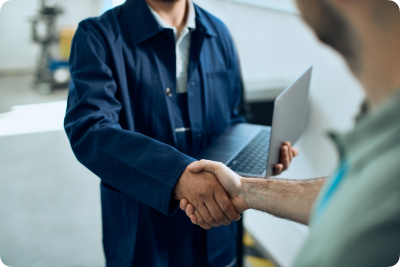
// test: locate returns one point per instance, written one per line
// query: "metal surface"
(47, 16)
(289, 119)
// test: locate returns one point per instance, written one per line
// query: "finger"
(193, 219)
(183, 204)
(226, 206)
(295, 151)
(200, 220)
(206, 215)
(289, 149)
(189, 210)
(285, 158)
(278, 169)
(216, 212)
(283, 153)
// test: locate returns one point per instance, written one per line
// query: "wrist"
(244, 192)
(176, 191)
(253, 193)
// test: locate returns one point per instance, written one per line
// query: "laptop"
(253, 150)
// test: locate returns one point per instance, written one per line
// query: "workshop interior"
(50, 212)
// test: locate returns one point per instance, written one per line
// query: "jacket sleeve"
(135, 164)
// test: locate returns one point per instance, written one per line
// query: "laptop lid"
(289, 117)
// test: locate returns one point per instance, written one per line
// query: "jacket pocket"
(219, 89)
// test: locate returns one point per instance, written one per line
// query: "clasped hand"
(212, 195)
(203, 190)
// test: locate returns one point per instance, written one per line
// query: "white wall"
(16, 48)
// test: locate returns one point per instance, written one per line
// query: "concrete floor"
(50, 204)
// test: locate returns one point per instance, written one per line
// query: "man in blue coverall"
(153, 84)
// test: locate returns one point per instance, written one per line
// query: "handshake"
(212, 195)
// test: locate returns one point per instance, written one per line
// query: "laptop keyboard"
(253, 157)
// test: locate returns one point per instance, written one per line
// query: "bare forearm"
(288, 199)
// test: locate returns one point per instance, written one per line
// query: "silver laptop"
(253, 150)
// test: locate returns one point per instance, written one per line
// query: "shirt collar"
(190, 22)
(142, 24)
(372, 132)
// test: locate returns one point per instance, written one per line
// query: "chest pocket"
(219, 95)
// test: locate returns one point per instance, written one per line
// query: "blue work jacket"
(121, 126)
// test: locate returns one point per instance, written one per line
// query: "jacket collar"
(203, 22)
(191, 18)
(142, 24)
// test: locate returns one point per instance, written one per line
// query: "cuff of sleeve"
(171, 205)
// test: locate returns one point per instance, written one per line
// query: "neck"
(174, 13)
(380, 77)
(380, 61)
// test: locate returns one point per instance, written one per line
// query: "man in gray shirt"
(354, 216)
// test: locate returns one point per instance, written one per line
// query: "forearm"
(129, 161)
(288, 199)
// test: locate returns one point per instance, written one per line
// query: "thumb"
(202, 165)
(196, 167)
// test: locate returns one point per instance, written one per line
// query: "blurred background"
(50, 204)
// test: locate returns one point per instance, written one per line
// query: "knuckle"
(200, 220)
(225, 207)
(219, 217)
(225, 204)
(209, 220)
(201, 193)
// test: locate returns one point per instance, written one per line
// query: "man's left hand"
(287, 154)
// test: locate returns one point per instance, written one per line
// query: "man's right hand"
(230, 181)
(203, 190)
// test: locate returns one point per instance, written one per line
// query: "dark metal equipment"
(44, 33)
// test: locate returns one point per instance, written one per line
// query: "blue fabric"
(184, 139)
(331, 189)
(121, 126)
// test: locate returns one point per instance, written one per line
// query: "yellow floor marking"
(247, 240)
(257, 262)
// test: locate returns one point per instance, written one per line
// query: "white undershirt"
(182, 46)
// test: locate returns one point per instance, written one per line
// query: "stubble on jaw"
(332, 28)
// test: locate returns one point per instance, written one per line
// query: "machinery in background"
(52, 65)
